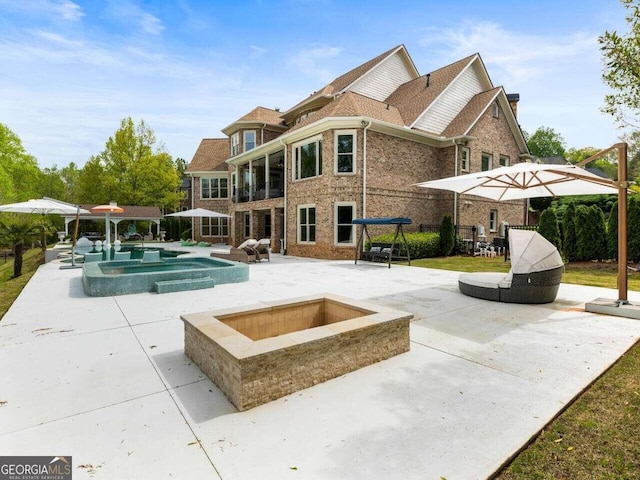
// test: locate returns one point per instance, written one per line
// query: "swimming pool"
(105, 279)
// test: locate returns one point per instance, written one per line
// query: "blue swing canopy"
(382, 221)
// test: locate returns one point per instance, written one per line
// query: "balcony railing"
(260, 191)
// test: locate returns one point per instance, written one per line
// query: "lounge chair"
(245, 252)
(535, 275)
(264, 249)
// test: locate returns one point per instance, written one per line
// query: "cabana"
(385, 251)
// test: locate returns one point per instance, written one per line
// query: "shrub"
(548, 227)
(633, 230)
(590, 228)
(421, 244)
(447, 236)
(569, 239)
(612, 232)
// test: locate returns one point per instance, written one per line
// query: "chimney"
(428, 77)
(513, 99)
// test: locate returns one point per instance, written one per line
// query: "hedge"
(421, 244)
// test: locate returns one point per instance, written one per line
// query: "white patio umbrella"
(45, 206)
(198, 212)
(531, 180)
(526, 180)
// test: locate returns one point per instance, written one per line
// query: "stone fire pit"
(259, 353)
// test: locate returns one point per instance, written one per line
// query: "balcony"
(258, 192)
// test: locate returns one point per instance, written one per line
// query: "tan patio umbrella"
(107, 210)
(531, 180)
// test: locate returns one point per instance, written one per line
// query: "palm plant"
(16, 232)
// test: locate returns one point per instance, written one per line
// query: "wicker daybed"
(535, 275)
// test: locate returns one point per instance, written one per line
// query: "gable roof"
(342, 82)
(210, 155)
(257, 116)
(414, 97)
(470, 114)
(351, 104)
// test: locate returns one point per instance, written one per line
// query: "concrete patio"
(105, 380)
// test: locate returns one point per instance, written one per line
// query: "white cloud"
(257, 52)
(312, 61)
(128, 12)
(65, 9)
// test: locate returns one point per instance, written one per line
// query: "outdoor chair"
(151, 256)
(264, 249)
(122, 255)
(92, 257)
(535, 275)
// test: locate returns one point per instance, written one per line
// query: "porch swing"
(382, 251)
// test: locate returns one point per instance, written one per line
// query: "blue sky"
(72, 70)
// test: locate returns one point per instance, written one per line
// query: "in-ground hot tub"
(259, 353)
(103, 279)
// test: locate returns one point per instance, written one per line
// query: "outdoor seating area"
(249, 251)
(535, 275)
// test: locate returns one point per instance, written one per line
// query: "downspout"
(455, 194)
(286, 187)
(364, 168)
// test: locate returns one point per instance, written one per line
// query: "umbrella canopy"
(112, 207)
(198, 212)
(43, 206)
(531, 252)
(526, 180)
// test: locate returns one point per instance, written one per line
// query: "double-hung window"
(345, 151)
(214, 227)
(306, 224)
(464, 159)
(308, 159)
(504, 161)
(486, 162)
(235, 144)
(249, 140)
(493, 221)
(344, 229)
(211, 188)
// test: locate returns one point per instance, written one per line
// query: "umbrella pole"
(622, 224)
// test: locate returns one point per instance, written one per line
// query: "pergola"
(131, 212)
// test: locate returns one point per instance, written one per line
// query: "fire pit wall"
(260, 353)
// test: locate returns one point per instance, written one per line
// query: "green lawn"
(10, 288)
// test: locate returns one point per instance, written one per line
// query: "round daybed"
(535, 275)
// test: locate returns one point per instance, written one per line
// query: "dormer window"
(235, 144)
(249, 140)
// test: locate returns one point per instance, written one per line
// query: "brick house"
(355, 149)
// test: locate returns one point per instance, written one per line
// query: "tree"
(570, 239)
(90, 183)
(549, 228)
(20, 176)
(621, 73)
(447, 236)
(546, 142)
(18, 231)
(132, 170)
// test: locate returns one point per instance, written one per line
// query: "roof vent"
(428, 78)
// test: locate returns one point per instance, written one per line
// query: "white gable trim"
(413, 71)
(443, 92)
